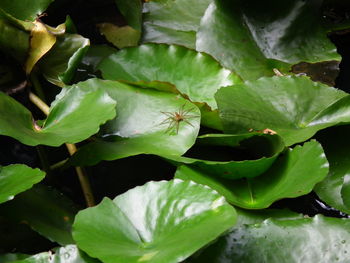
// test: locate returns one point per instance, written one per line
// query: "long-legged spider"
(175, 118)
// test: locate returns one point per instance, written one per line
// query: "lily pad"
(59, 65)
(132, 12)
(152, 223)
(74, 116)
(335, 189)
(17, 178)
(263, 150)
(145, 124)
(294, 107)
(196, 75)
(45, 210)
(295, 173)
(161, 23)
(318, 239)
(252, 38)
(25, 9)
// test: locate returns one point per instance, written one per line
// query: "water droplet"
(66, 255)
(343, 241)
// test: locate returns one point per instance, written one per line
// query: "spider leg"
(188, 123)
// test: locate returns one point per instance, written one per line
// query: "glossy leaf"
(252, 38)
(196, 75)
(13, 40)
(25, 9)
(144, 124)
(263, 150)
(294, 107)
(74, 116)
(152, 223)
(132, 12)
(318, 239)
(45, 210)
(161, 23)
(335, 189)
(294, 174)
(67, 254)
(41, 41)
(17, 178)
(59, 65)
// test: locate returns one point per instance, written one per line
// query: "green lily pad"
(144, 124)
(318, 239)
(17, 178)
(196, 75)
(132, 12)
(74, 116)
(294, 174)
(25, 9)
(120, 37)
(67, 254)
(45, 210)
(263, 150)
(152, 223)
(294, 107)
(161, 23)
(335, 189)
(59, 65)
(252, 38)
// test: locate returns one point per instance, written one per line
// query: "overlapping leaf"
(144, 124)
(153, 223)
(335, 189)
(294, 107)
(318, 239)
(261, 150)
(17, 178)
(294, 174)
(74, 116)
(254, 38)
(59, 65)
(45, 210)
(162, 23)
(196, 75)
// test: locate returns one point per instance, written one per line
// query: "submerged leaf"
(294, 174)
(153, 223)
(17, 178)
(318, 239)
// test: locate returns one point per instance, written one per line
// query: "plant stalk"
(82, 176)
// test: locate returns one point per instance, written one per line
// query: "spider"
(174, 118)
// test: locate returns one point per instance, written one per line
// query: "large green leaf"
(142, 124)
(74, 116)
(67, 254)
(335, 189)
(196, 75)
(319, 239)
(45, 210)
(295, 107)
(153, 223)
(294, 174)
(59, 65)
(252, 38)
(173, 21)
(261, 149)
(25, 9)
(17, 178)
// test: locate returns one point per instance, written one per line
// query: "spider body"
(174, 119)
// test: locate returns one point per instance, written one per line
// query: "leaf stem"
(82, 176)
